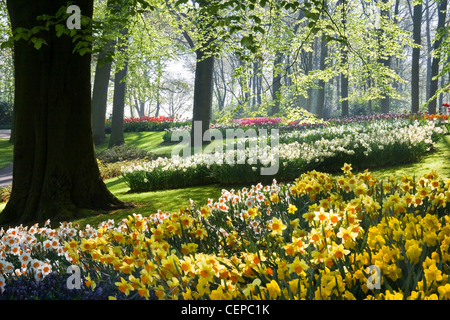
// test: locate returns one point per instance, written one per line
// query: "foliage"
(5, 193)
(122, 153)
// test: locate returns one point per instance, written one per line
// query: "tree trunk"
(429, 47)
(386, 61)
(276, 84)
(55, 171)
(100, 96)
(203, 93)
(415, 66)
(203, 83)
(116, 138)
(344, 78)
(321, 91)
(442, 9)
(309, 68)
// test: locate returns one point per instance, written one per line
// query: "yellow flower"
(124, 286)
(444, 291)
(89, 283)
(274, 198)
(393, 296)
(433, 274)
(277, 226)
(274, 289)
(205, 271)
(413, 251)
(347, 168)
(292, 209)
(298, 266)
(338, 251)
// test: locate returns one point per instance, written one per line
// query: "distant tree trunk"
(55, 173)
(344, 78)
(442, 9)
(309, 91)
(276, 83)
(386, 61)
(429, 47)
(116, 138)
(321, 91)
(415, 66)
(100, 95)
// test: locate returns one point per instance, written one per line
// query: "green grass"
(149, 141)
(148, 203)
(6, 153)
(438, 160)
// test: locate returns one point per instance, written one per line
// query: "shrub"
(5, 193)
(124, 152)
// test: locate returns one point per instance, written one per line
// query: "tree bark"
(442, 9)
(55, 173)
(203, 84)
(276, 83)
(100, 96)
(116, 138)
(344, 78)
(386, 61)
(321, 91)
(415, 66)
(203, 93)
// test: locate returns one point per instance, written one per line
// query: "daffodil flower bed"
(377, 143)
(312, 239)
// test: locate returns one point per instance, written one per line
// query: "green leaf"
(60, 29)
(38, 42)
(247, 41)
(7, 44)
(83, 51)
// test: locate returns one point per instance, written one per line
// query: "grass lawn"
(6, 153)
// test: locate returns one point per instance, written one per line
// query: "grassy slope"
(438, 160)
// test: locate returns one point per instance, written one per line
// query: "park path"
(6, 173)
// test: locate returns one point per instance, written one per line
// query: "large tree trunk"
(415, 66)
(55, 171)
(442, 9)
